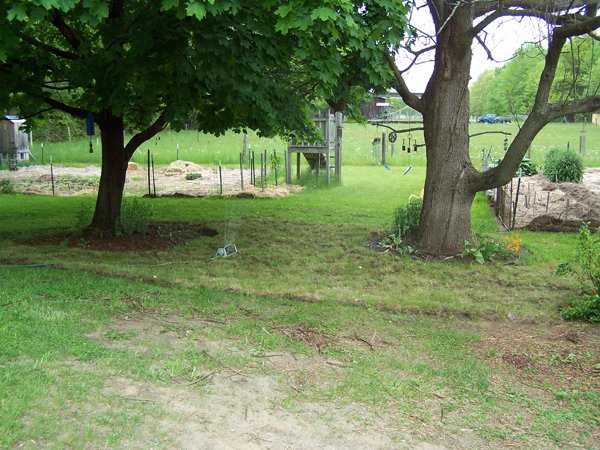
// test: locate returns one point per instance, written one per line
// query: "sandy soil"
(167, 181)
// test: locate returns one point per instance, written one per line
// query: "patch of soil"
(548, 223)
(546, 206)
(559, 354)
(226, 407)
(167, 181)
(160, 236)
(314, 338)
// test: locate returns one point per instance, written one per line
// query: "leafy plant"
(83, 216)
(406, 218)
(6, 187)
(586, 269)
(193, 176)
(135, 218)
(527, 168)
(472, 251)
(487, 248)
(563, 166)
(394, 243)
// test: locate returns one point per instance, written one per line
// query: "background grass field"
(357, 146)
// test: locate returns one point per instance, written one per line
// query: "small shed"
(14, 145)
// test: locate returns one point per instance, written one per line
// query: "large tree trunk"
(446, 217)
(112, 179)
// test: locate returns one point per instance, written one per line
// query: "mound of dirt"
(160, 235)
(182, 167)
(548, 223)
(541, 205)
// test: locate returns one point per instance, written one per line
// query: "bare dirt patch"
(178, 179)
(159, 236)
(227, 407)
(561, 355)
(545, 206)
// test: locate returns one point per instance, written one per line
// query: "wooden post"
(149, 189)
(262, 172)
(244, 145)
(153, 177)
(298, 166)
(383, 146)
(339, 119)
(177, 152)
(253, 169)
(52, 174)
(514, 217)
(582, 144)
(242, 171)
(327, 166)
(220, 179)
(288, 166)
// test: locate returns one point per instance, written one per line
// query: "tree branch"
(49, 48)
(584, 105)
(74, 111)
(481, 8)
(65, 30)
(159, 124)
(400, 86)
(485, 48)
(542, 112)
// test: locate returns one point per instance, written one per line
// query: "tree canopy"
(142, 65)
(511, 89)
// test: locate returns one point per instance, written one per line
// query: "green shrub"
(135, 218)
(586, 307)
(586, 269)
(563, 166)
(6, 187)
(527, 168)
(83, 217)
(406, 218)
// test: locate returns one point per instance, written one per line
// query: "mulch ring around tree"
(159, 236)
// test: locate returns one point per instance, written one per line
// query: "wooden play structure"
(319, 154)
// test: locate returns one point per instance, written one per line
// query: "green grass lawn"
(96, 346)
(358, 148)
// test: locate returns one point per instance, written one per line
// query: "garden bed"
(542, 205)
(178, 179)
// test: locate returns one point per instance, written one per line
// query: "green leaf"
(284, 10)
(478, 257)
(169, 4)
(196, 9)
(323, 14)
(17, 11)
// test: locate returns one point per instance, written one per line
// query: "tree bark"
(445, 221)
(112, 178)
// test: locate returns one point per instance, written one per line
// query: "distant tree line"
(511, 89)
